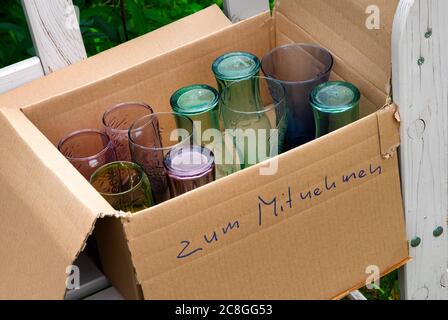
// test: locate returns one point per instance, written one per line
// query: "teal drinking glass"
(335, 105)
(236, 66)
(256, 121)
(200, 104)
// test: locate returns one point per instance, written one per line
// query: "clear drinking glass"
(117, 121)
(188, 168)
(124, 185)
(300, 68)
(87, 150)
(335, 105)
(258, 126)
(151, 138)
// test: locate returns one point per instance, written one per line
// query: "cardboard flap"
(44, 226)
(357, 32)
(311, 231)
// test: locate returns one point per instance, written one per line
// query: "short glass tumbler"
(335, 105)
(87, 150)
(124, 185)
(117, 121)
(257, 122)
(151, 138)
(300, 68)
(189, 168)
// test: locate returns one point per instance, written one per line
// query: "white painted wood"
(20, 73)
(238, 10)
(56, 33)
(356, 295)
(420, 86)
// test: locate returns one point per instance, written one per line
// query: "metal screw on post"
(416, 242)
(428, 34)
(421, 61)
(438, 232)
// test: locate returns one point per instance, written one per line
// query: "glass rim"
(152, 117)
(125, 164)
(174, 100)
(274, 105)
(355, 101)
(182, 175)
(76, 133)
(303, 45)
(218, 60)
(121, 105)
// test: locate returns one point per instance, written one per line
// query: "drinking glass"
(188, 168)
(258, 125)
(87, 150)
(200, 104)
(335, 105)
(300, 68)
(124, 185)
(151, 138)
(117, 121)
(235, 66)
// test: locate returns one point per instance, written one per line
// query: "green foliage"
(389, 289)
(16, 43)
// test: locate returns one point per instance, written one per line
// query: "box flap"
(357, 32)
(44, 226)
(311, 231)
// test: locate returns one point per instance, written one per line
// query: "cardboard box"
(338, 199)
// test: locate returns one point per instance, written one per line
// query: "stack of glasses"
(142, 158)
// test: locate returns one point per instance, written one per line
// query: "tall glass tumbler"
(117, 121)
(124, 185)
(189, 168)
(300, 68)
(335, 105)
(87, 150)
(258, 128)
(236, 66)
(151, 138)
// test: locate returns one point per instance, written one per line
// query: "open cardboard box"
(318, 247)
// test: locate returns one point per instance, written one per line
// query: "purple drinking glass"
(87, 150)
(117, 121)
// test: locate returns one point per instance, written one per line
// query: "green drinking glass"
(335, 105)
(124, 185)
(257, 121)
(200, 104)
(236, 66)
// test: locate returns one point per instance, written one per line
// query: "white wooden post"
(420, 88)
(238, 10)
(20, 73)
(56, 33)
